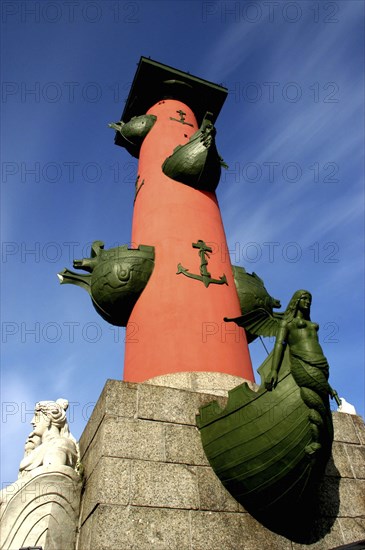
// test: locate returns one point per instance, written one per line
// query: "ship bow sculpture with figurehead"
(41, 508)
(270, 448)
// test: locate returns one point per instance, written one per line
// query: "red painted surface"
(177, 324)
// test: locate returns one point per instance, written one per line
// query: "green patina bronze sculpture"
(269, 448)
(205, 277)
(116, 279)
(132, 133)
(253, 295)
(197, 163)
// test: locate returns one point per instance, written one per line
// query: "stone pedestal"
(41, 509)
(148, 484)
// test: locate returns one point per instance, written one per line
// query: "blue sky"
(291, 131)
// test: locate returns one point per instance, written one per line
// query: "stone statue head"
(49, 415)
(50, 442)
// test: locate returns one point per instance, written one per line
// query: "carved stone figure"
(41, 508)
(50, 443)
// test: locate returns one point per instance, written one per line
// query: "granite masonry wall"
(148, 485)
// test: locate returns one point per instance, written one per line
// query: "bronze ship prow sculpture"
(269, 448)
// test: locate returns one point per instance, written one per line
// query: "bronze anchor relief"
(182, 118)
(205, 277)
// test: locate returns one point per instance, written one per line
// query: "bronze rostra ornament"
(116, 279)
(132, 133)
(253, 295)
(196, 163)
(270, 448)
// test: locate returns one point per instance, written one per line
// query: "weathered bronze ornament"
(132, 133)
(252, 295)
(269, 448)
(181, 119)
(205, 277)
(116, 279)
(197, 163)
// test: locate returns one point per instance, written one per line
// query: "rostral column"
(177, 323)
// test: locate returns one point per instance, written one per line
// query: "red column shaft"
(177, 324)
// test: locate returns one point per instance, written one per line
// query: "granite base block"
(148, 484)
